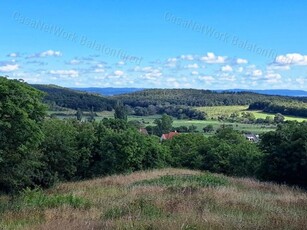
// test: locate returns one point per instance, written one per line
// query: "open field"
(200, 124)
(254, 128)
(158, 199)
(215, 111)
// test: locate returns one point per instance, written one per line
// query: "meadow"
(213, 112)
(158, 199)
(200, 124)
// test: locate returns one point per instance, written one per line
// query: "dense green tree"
(279, 118)
(59, 148)
(79, 114)
(163, 124)
(120, 112)
(285, 151)
(21, 114)
(208, 128)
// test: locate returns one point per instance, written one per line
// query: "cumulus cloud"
(213, 59)
(13, 55)
(194, 73)
(291, 59)
(226, 68)
(278, 67)
(188, 57)
(206, 78)
(65, 73)
(74, 62)
(47, 53)
(241, 61)
(8, 67)
(119, 73)
(257, 73)
(192, 66)
(272, 77)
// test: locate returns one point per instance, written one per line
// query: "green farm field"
(214, 111)
(200, 124)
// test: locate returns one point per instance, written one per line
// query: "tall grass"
(159, 199)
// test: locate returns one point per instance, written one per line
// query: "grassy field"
(158, 199)
(200, 124)
(215, 111)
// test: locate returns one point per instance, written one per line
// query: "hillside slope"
(159, 199)
(194, 97)
(73, 99)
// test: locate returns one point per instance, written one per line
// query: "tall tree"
(120, 111)
(164, 124)
(21, 114)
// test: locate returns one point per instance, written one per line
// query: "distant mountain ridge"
(110, 91)
(279, 92)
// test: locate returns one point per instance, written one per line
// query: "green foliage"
(208, 128)
(59, 148)
(79, 115)
(120, 112)
(286, 107)
(21, 114)
(285, 151)
(63, 97)
(36, 198)
(179, 181)
(184, 150)
(230, 153)
(163, 125)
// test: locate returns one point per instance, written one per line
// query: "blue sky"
(161, 44)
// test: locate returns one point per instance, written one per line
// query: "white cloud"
(187, 57)
(194, 73)
(192, 66)
(118, 73)
(241, 61)
(301, 80)
(206, 78)
(226, 68)
(121, 63)
(99, 70)
(47, 53)
(272, 77)
(65, 73)
(278, 67)
(50, 53)
(291, 59)
(212, 59)
(257, 73)
(74, 62)
(9, 68)
(240, 69)
(13, 55)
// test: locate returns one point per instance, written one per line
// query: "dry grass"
(117, 202)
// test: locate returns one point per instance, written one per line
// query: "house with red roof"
(168, 136)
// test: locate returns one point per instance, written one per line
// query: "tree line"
(292, 108)
(40, 151)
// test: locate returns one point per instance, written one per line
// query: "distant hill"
(280, 92)
(109, 91)
(192, 97)
(57, 96)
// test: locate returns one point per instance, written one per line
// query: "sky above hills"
(161, 44)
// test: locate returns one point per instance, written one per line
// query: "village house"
(168, 136)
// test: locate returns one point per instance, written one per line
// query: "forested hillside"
(191, 97)
(57, 96)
